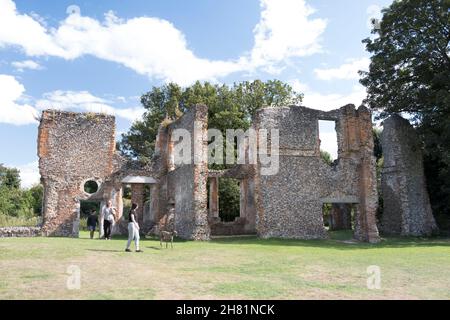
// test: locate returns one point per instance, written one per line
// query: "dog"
(167, 237)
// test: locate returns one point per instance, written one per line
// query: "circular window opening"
(91, 187)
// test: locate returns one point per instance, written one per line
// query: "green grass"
(227, 268)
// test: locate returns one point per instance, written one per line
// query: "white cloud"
(347, 71)
(156, 48)
(131, 114)
(121, 99)
(11, 110)
(285, 30)
(26, 64)
(65, 100)
(329, 101)
(29, 174)
(149, 46)
(299, 86)
(374, 16)
(85, 102)
(26, 32)
(14, 111)
(333, 101)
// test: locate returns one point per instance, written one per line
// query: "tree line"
(18, 205)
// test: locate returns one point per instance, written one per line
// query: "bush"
(8, 221)
(20, 207)
(16, 203)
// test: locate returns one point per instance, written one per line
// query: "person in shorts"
(92, 222)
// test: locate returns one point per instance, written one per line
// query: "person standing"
(92, 222)
(109, 216)
(133, 229)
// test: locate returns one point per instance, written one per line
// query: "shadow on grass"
(154, 238)
(154, 248)
(338, 241)
(104, 250)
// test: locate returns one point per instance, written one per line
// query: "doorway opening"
(87, 208)
(339, 219)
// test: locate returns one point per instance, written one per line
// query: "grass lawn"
(232, 268)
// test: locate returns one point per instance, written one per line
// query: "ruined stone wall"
(356, 145)
(158, 194)
(406, 205)
(246, 222)
(138, 197)
(74, 148)
(186, 183)
(289, 203)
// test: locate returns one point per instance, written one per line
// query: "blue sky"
(102, 55)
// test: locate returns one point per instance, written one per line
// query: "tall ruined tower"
(73, 148)
(407, 210)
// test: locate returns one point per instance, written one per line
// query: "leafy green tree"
(6, 206)
(377, 148)
(229, 199)
(14, 201)
(326, 157)
(9, 177)
(36, 194)
(410, 64)
(410, 72)
(159, 103)
(230, 107)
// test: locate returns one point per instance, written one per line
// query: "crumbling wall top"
(76, 144)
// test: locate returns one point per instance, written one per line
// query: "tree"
(410, 64)
(9, 177)
(326, 157)
(36, 194)
(230, 107)
(229, 199)
(377, 148)
(14, 201)
(410, 72)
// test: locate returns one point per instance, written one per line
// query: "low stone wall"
(9, 232)
(237, 227)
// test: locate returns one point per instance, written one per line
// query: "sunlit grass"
(226, 268)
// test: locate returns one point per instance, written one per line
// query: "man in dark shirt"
(92, 223)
